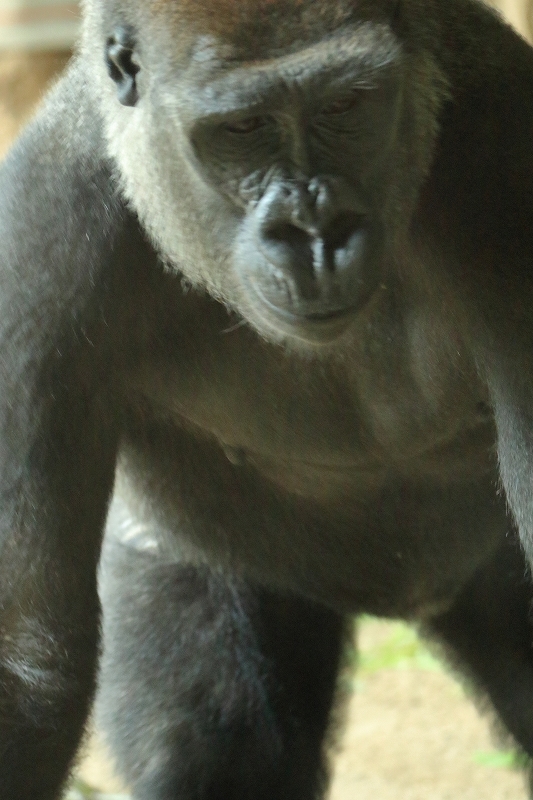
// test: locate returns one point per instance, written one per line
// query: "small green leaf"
(500, 759)
(401, 650)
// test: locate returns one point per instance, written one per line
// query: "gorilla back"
(265, 307)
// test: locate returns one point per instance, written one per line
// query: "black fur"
(267, 286)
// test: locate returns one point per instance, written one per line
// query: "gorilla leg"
(489, 628)
(211, 689)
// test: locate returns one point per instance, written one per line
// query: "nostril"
(341, 229)
(289, 250)
(286, 233)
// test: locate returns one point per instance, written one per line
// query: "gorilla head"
(264, 145)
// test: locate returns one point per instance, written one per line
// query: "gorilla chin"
(319, 312)
(316, 328)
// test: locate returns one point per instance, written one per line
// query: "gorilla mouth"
(314, 313)
(316, 326)
(324, 316)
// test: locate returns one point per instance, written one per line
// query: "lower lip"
(315, 329)
(310, 319)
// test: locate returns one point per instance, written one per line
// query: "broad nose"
(315, 238)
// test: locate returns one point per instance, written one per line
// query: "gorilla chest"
(268, 460)
(318, 424)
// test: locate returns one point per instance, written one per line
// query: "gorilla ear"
(121, 64)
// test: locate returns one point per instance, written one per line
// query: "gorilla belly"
(356, 539)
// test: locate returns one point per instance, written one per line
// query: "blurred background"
(412, 731)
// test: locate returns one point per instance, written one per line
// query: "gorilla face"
(273, 181)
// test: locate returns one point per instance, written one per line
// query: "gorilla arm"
(58, 226)
(474, 225)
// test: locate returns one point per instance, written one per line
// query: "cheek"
(191, 225)
(199, 238)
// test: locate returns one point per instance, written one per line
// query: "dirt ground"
(411, 732)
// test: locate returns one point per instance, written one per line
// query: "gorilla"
(266, 317)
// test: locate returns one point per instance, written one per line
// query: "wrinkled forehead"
(253, 27)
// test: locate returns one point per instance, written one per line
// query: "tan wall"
(519, 13)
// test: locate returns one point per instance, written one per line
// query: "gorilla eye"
(248, 125)
(343, 104)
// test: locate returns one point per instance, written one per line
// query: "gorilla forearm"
(57, 446)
